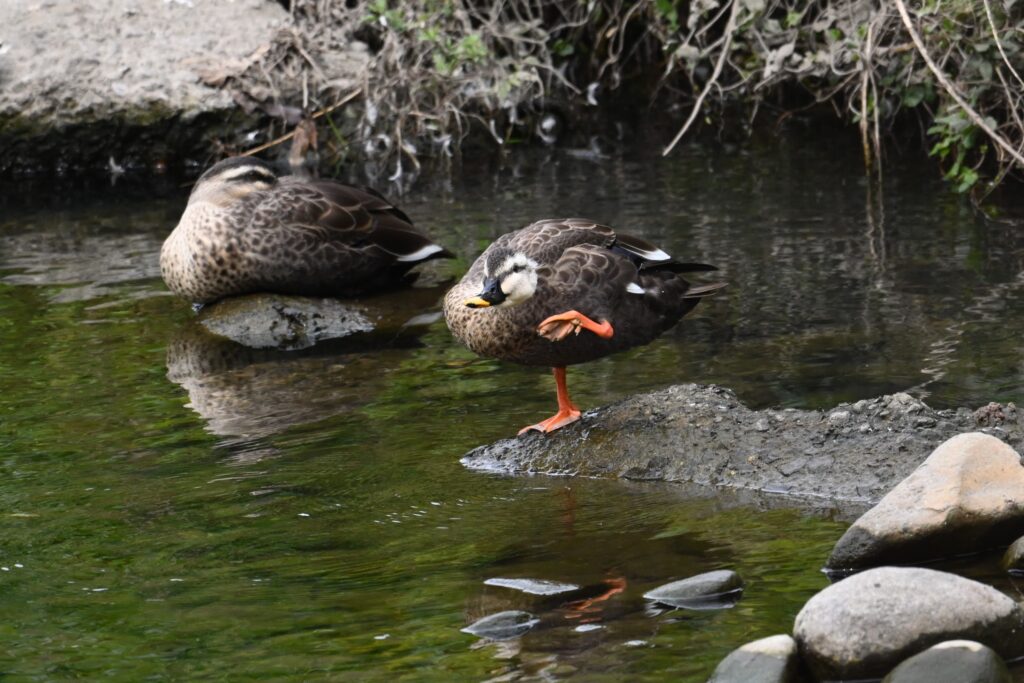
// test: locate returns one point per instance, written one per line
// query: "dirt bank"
(703, 434)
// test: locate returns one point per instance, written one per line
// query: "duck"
(560, 292)
(247, 229)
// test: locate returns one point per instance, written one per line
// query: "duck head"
(510, 278)
(232, 179)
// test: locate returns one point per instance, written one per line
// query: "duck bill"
(477, 302)
(490, 296)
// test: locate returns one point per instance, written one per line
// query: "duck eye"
(517, 269)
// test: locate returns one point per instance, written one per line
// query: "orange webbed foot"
(556, 421)
(558, 327)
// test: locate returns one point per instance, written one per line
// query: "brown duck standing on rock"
(247, 230)
(532, 293)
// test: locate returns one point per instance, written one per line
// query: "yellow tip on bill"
(477, 302)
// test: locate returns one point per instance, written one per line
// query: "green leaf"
(967, 180)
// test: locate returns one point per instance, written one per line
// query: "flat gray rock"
(703, 434)
(503, 625)
(262, 321)
(955, 661)
(705, 591)
(865, 625)
(769, 660)
(967, 496)
(533, 586)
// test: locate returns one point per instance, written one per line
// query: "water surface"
(177, 507)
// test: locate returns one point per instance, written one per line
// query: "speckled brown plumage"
(246, 230)
(582, 266)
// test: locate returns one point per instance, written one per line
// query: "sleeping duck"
(245, 229)
(566, 291)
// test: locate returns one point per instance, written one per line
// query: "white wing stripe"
(420, 253)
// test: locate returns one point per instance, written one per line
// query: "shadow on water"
(177, 506)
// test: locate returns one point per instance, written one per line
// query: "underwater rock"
(967, 496)
(710, 590)
(954, 661)
(1013, 559)
(705, 435)
(774, 659)
(533, 586)
(503, 625)
(276, 321)
(866, 624)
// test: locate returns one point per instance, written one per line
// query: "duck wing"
(547, 240)
(592, 279)
(356, 217)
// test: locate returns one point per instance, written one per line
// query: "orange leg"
(557, 327)
(567, 410)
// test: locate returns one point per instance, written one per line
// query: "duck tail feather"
(703, 290)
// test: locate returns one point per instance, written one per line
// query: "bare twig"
(951, 90)
(288, 136)
(730, 28)
(999, 44)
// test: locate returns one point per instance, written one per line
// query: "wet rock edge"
(704, 435)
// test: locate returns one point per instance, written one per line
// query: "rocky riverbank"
(705, 435)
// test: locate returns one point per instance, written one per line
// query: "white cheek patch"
(518, 287)
(634, 288)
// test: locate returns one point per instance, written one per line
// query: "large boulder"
(955, 661)
(865, 625)
(769, 660)
(96, 79)
(967, 496)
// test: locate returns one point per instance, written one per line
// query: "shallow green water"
(174, 508)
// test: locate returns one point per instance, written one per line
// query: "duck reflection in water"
(246, 394)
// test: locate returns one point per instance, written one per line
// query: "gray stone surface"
(92, 79)
(865, 625)
(967, 496)
(263, 321)
(769, 660)
(698, 591)
(503, 625)
(955, 661)
(704, 435)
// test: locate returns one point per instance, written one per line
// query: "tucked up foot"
(558, 327)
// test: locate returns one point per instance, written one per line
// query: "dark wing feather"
(361, 218)
(545, 241)
(594, 277)
(675, 267)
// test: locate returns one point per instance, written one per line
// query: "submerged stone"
(967, 496)
(503, 625)
(954, 661)
(865, 625)
(1013, 560)
(769, 660)
(262, 321)
(710, 590)
(533, 586)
